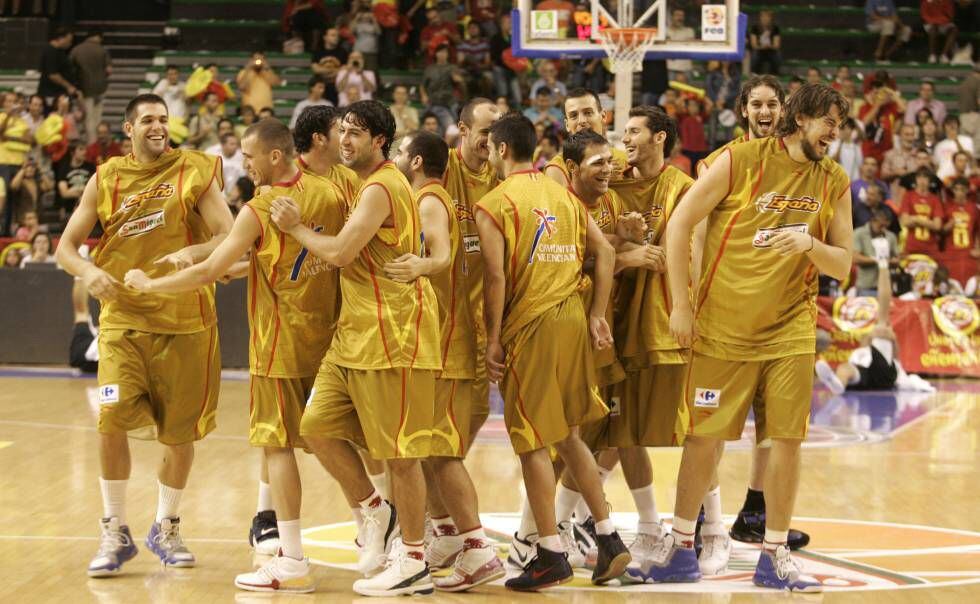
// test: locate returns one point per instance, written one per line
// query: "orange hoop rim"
(629, 35)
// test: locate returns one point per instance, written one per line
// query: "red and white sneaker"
(279, 574)
(476, 564)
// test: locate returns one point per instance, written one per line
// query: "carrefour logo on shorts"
(142, 224)
(705, 397)
(108, 394)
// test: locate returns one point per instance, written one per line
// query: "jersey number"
(301, 258)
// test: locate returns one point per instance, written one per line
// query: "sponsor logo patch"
(706, 397)
(779, 203)
(471, 244)
(160, 191)
(142, 225)
(108, 394)
(762, 236)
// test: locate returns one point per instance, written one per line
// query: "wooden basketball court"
(889, 494)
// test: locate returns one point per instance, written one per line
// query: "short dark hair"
(376, 118)
(742, 100)
(577, 93)
(272, 134)
(432, 149)
(960, 182)
(269, 109)
(544, 91)
(314, 81)
(931, 83)
(812, 100)
(518, 133)
(316, 119)
(575, 145)
(925, 172)
(174, 67)
(881, 215)
(658, 121)
(951, 119)
(209, 94)
(797, 79)
(142, 99)
(225, 119)
(466, 114)
(226, 136)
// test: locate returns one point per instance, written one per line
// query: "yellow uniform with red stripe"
(466, 188)
(148, 211)
(707, 161)
(549, 380)
(454, 385)
(293, 304)
(756, 311)
(343, 177)
(375, 387)
(618, 157)
(649, 409)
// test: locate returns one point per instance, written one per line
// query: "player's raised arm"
(494, 289)
(99, 283)
(435, 226)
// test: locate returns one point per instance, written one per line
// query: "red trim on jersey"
(261, 228)
(490, 216)
(391, 207)
(302, 163)
(291, 182)
(531, 171)
(520, 405)
(731, 172)
(378, 300)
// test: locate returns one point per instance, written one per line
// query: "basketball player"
(778, 213)
(422, 158)
(293, 307)
(539, 350)
(583, 111)
(383, 356)
(154, 202)
(759, 106)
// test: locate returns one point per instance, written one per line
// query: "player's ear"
(660, 137)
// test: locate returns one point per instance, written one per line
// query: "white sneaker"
(279, 574)
(477, 564)
(443, 550)
(932, 58)
(380, 530)
(429, 531)
(522, 550)
(944, 60)
(716, 550)
(575, 556)
(645, 544)
(403, 575)
(828, 377)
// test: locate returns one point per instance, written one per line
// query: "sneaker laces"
(567, 538)
(112, 541)
(646, 541)
(170, 539)
(662, 549)
(268, 571)
(785, 565)
(709, 543)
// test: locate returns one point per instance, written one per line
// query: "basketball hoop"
(626, 46)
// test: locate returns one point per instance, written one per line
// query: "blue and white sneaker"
(777, 570)
(668, 563)
(164, 541)
(115, 547)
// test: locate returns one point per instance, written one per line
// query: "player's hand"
(631, 227)
(495, 361)
(235, 271)
(789, 243)
(682, 324)
(601, 334)
(180, 259)
(138, 280)
(285, 213)
(405, 268)
(100, 284)
(656, 259)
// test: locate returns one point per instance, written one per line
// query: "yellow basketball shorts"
(719, 394)
(170, 381)
(480, 397)
(388, 412)
(275, 410)
(549, 382)
(452, 416)
(647, 408)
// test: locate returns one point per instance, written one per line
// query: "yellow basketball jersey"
(148, 211)
(754, 304)
(544, 227)
(643, 335)
(706, 162)
(466, 188)
(385, 324)
(619, 164)
(293, 296)
(346, 179)
(452, 293)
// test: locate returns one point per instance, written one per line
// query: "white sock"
(444, 527)
(551, 543)
(114, 499)
(712, 506)
(370, 499)
(168, 502)
(380, 482)
(646, 505)
(604, 527)
(565, 502)
(683, 532)
(265, 498)
(476, 533)
(290, 540)
(528, 526)
(774, 539)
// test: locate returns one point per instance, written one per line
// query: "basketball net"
(626, 47)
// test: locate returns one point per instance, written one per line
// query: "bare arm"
(217, 216)
(494, 290)
(99, 283)
(832, 258)
(371, 212)
(556, 174)
(435, 226)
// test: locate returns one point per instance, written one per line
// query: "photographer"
(880, 116)
(354, 74)
(255, 81)
(366, 37)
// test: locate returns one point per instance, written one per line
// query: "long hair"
(811, 100)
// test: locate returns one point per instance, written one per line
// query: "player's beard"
(810, 151)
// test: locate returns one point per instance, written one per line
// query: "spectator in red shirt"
(694, 145)
(922, 215)
(961, 170)
(937, 19)
(484, 13)
(437, 33)
(960, 229)
(879, 116)
(103, 147)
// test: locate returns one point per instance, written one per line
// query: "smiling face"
(357, 147)
(583, 113)
(819, 132)
(149, 129)
(640, 141)
(260, 163)
(476, 136)
(591, 177)
(762, 110)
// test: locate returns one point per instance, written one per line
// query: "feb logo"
(160, 191)
(857, 315)
(779, 203)
(921, 268)
(955, 315)
(547, 226)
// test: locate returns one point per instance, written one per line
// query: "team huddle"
(618, 304)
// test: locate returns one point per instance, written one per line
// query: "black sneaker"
(750, 527)
(264, 534)
(612, 560)
(547, 569)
